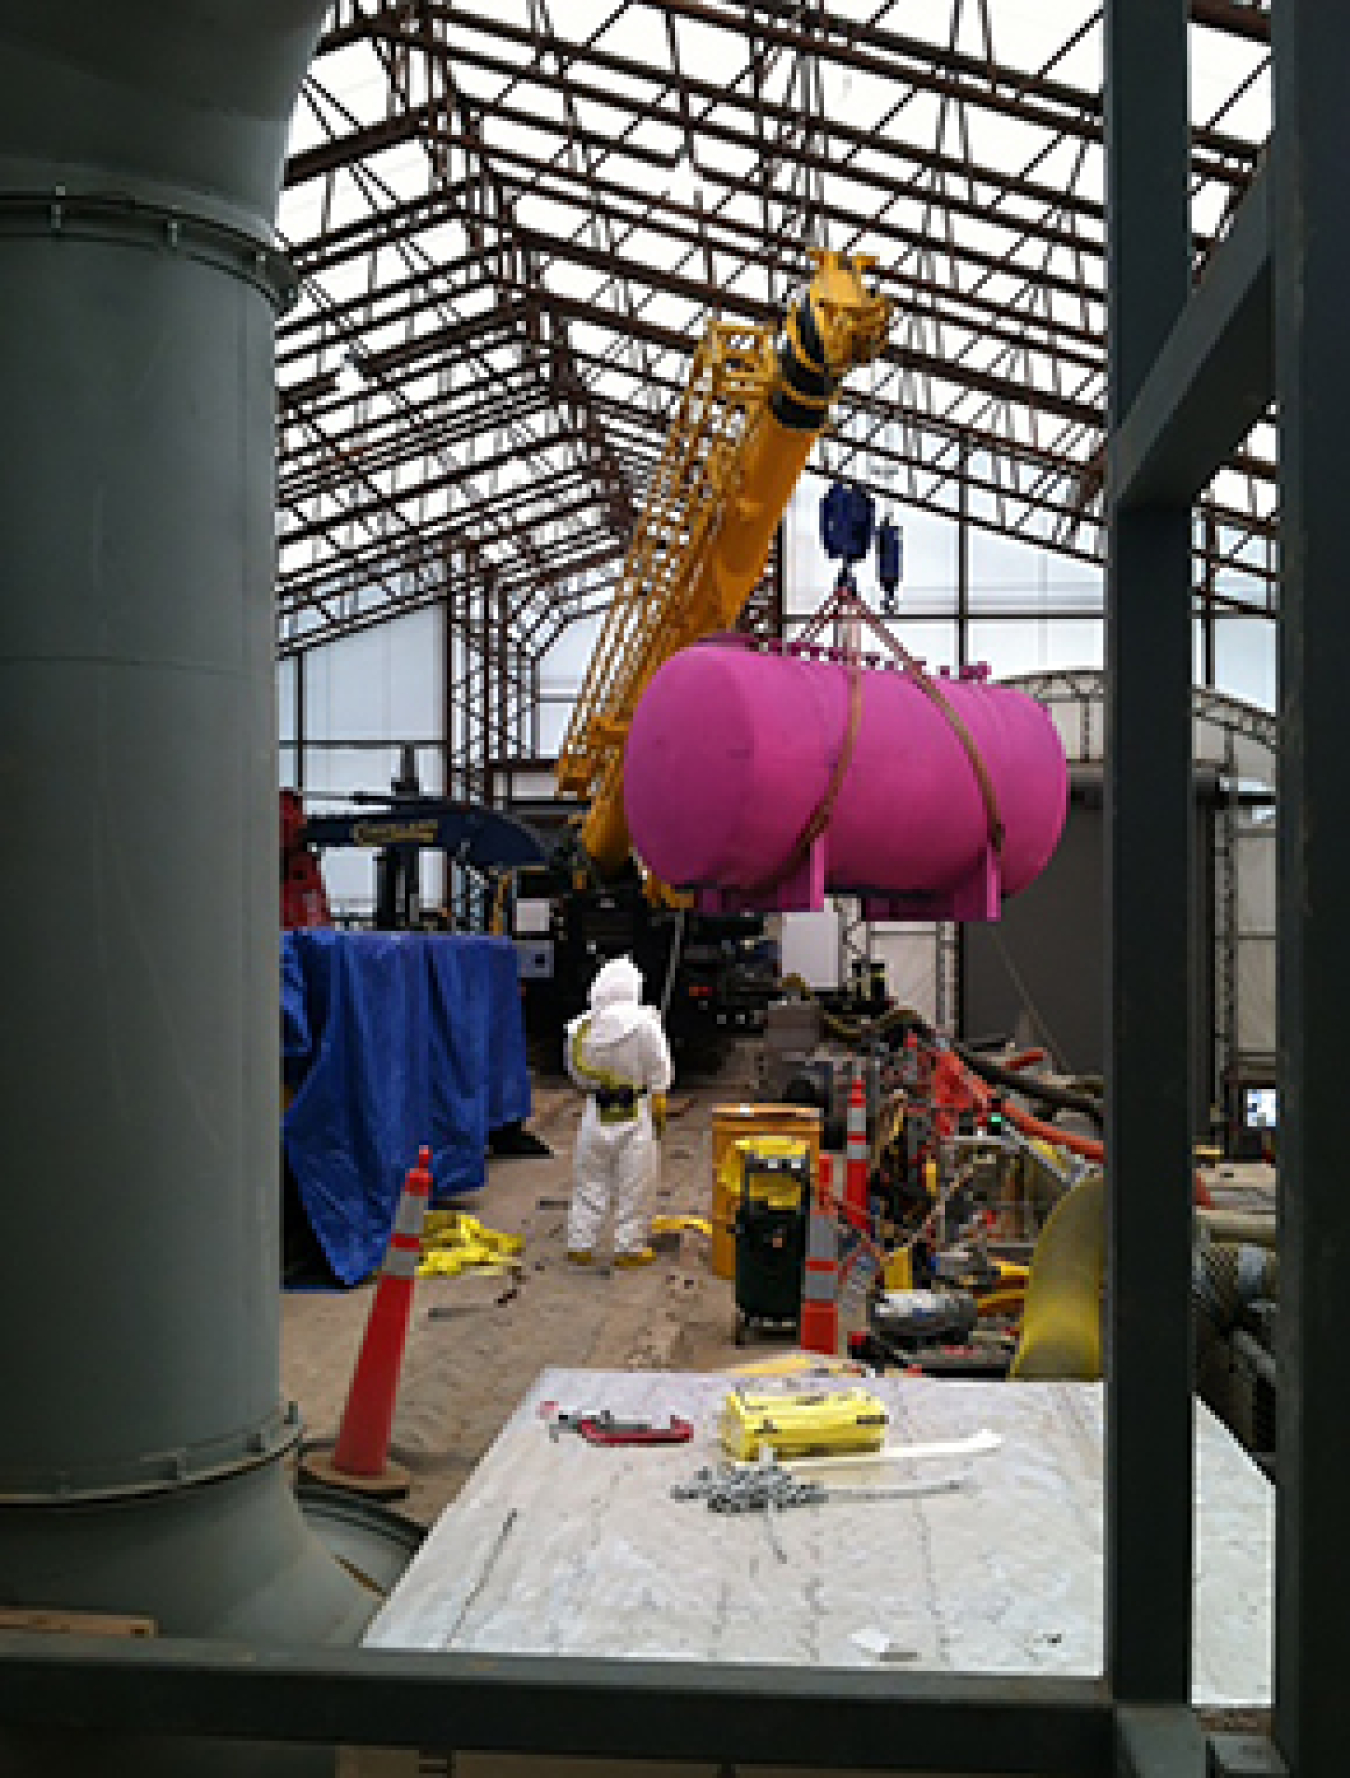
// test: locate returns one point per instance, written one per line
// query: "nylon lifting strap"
(820, 817)
(988, 795)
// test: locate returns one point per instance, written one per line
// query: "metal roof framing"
(511, 221)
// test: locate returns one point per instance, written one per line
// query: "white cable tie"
(977, 1445)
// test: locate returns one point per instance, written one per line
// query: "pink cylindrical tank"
(731, 752)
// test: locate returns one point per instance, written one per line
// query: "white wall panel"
(910, 955)
(553, 721)
(1256, 996)
(1244, 659)
(1032, 645)
(381, 682)
(1255, 854)
(809, 947)
(384, 684)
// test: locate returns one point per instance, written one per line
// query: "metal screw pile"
(754, 1488)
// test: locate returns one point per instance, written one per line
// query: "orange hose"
(1024, 1059)
(1087, 1146)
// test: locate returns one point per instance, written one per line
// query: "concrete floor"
(477, 1342)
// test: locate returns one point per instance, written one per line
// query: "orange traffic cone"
(857, 1167)
(819, 1330)
(360, 1459)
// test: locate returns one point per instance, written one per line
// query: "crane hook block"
(846, 522)
(890, 556)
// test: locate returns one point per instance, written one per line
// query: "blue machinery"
(1189, 374)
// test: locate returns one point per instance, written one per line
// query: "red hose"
(1023, 1059)
(1087, 1146)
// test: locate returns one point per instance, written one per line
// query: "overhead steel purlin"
(374, 555)
(1024, 470)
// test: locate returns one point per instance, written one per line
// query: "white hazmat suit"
(618, 1055)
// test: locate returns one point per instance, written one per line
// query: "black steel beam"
(329, 462)
(616, 201)
(1159, 1744)
(1239, 18)
(1310, 161)
(757, 107)
(711, 129)
(916, 1722)
(528, 617)
(1149, 864)
(953, 74)
(544, 498)
(440, 482)
(1234, 1755)
(740, 305)
(1213, 379)
(362, 143)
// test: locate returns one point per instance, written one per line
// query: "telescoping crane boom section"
(751, 411)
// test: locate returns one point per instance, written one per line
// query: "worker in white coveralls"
(617, 1054)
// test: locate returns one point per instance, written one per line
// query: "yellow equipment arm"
(740, 438)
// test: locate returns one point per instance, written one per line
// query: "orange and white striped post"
(360, 1459)
(819, 1329)
(857, 1160)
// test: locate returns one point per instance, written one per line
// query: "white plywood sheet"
(563, 1548)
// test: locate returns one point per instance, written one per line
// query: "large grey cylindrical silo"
(141, 1427)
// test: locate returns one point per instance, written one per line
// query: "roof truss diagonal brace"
(1214, 377)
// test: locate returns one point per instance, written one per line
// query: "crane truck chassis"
(713, 975)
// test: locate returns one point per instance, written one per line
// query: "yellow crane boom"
(751, 411)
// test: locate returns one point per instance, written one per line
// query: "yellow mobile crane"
(753, 407)
(740, 438)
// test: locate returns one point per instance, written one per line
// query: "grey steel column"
(1311, 254)
(1149, 862)
(142, 1426)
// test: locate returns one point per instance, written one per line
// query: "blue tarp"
(392, 1041)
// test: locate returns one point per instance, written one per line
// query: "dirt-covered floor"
(477, 1342)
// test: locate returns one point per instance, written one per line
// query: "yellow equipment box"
(730, 1124)
(811, 1423)
(760, 1170)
